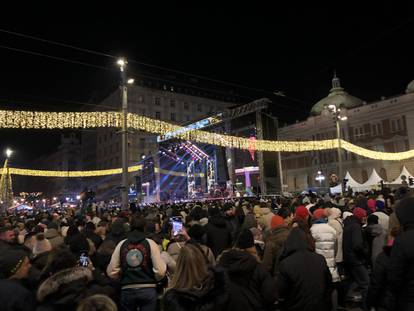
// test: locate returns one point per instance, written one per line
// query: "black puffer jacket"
(218, 235)
(379, 292)
(354, 246)
(212, 296)
(304, 279)
(65, 289)
(250, 285)
(14, 296)
(401, 269)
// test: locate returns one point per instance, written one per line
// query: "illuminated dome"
(410, 87)
(338, 97)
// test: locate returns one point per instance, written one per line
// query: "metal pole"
(280, 171)
(124, 138)
(338, 135)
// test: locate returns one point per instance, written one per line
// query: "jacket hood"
(136, 236)
(350, 220)
(218, 221)
(59, 282)
(237, 262)
(295, 242)
(51, 233)
(334, 213)
(212, 286)
(374, 229)
(265, 211)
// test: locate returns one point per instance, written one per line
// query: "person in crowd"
(195, 286)
(380, 295)
(14, 268)
(335, 221)
(274, 244)
(137, 264)
(67, 281)
(304, 280)
(218, 234)
(326, 245)
(375, 237)
(355, 251)
(401, 266)
(197, 235)
(250, 286)
(7, 237)
(53, 235)
(41, 249)
(89, 232)
(266, 218)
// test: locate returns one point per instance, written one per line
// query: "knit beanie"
(319, 213)
(79, 244)
(380, 205)
(245, 239)
(276, 221)
(10, 262)
(360, 213)
(301, 212)
(371, 204)
(196, 232)
(41, 244)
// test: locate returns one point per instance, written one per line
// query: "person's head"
(319, 214)
(7, 233)
(302, 212)
(277, 221)
(41, 244)
(245, 239)
(14, 263)
(97, 302)
(360, 214)
(138, 223)
(60, 258)
(191, 268)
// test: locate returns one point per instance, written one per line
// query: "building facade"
(384, 125)
(101, 149)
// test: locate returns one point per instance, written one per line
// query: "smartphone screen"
(177, 226)
(83, 260)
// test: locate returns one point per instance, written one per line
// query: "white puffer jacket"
(335, 221)
(326, 245)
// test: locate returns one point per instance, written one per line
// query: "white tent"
(351, 182)
(371, 183)
(398, 180)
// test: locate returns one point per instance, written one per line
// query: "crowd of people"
(306, 252)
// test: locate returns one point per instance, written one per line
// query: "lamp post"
(6, 181)
(337, 117)
(124, 132)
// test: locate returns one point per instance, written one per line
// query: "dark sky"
(293, 49)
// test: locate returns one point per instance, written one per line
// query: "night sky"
(293, 49)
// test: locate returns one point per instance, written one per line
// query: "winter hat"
(380, 204)
(360, 213)
(301, 212)
(371, 204)
(319, 213)
(10, 262)
(276, 221)
(41, 244)
(245, 239)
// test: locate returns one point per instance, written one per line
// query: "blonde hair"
(191, 268)
(97, 302)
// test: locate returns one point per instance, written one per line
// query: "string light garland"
(105, 119)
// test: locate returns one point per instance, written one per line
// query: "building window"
(142, 143)
(172, 116)
(186, 106)
(199, 107)
(141, 99)
(187, 117)
(392, 125)
(157, 101)
(172, 103)
(399, 125)
(157, 115)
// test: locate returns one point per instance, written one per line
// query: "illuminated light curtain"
(64, 120)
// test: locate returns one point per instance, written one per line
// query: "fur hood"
(52, 284)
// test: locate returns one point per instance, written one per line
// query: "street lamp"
(338, 115)
(8, 153)
(124, 132)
